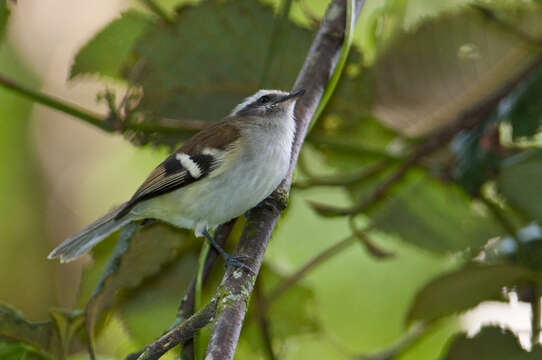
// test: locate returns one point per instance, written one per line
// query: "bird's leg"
(230, 260)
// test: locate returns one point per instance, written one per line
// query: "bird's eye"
(263, 100)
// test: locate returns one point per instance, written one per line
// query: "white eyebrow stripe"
(190, 165)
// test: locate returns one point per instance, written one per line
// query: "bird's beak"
(291, 95)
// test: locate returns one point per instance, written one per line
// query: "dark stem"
(181, 333)
(107, 123)
(365, 173)
(363, 237)
(309, 266)
(411, 338)
(503, 220)
(55, 103)
(492, 16)
(263, 320)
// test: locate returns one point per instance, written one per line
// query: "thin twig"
(361, 234)
(157, 10)
(55, 103)
(352, 178)
(351, 147)
(492, 16)
(503, 220)
(263, 320)
(316, 261)
(181, 333)
(411, 338)
(164, 126)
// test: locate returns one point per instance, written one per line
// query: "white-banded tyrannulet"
(217, 175)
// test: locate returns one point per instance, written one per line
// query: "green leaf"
(20, 351)
(4, 14)
(491, 343)
(435, 216)
(135, 259)
(54, 336)
(149, 310)
(293, 313)
(109, 51)
(14, 327)
(346, 133)
(425, 79)
(476, 162)
(214, 55)
(519, 181)
(525, 112)
(465, 288)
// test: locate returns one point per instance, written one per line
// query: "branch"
(355, 177)
(55, 103)
(110, 123)
(187, 306)
(412, 337)
(186, 309)
(236, 286)
(180, 334)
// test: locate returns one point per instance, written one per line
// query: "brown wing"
(197, 153)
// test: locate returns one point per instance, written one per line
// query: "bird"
(220, 173)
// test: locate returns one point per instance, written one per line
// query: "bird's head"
(268, 104)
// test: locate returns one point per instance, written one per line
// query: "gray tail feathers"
(87, 238)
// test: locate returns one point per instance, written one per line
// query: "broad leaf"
(465, 288)
(346, 134)
(435, 216)
(491, 343)
(426, 78)
(520, 182)
(215, 54)
(150, 309)
(134, 260)
(54, 336)
(14, 327)
(20, 351)
(476, 159)
(525, 108)
(110, 51)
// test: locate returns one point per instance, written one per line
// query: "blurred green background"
(58, 174)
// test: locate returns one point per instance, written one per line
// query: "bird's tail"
(87, 238)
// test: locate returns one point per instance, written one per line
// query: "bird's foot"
(237, 262)
(230, 260)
